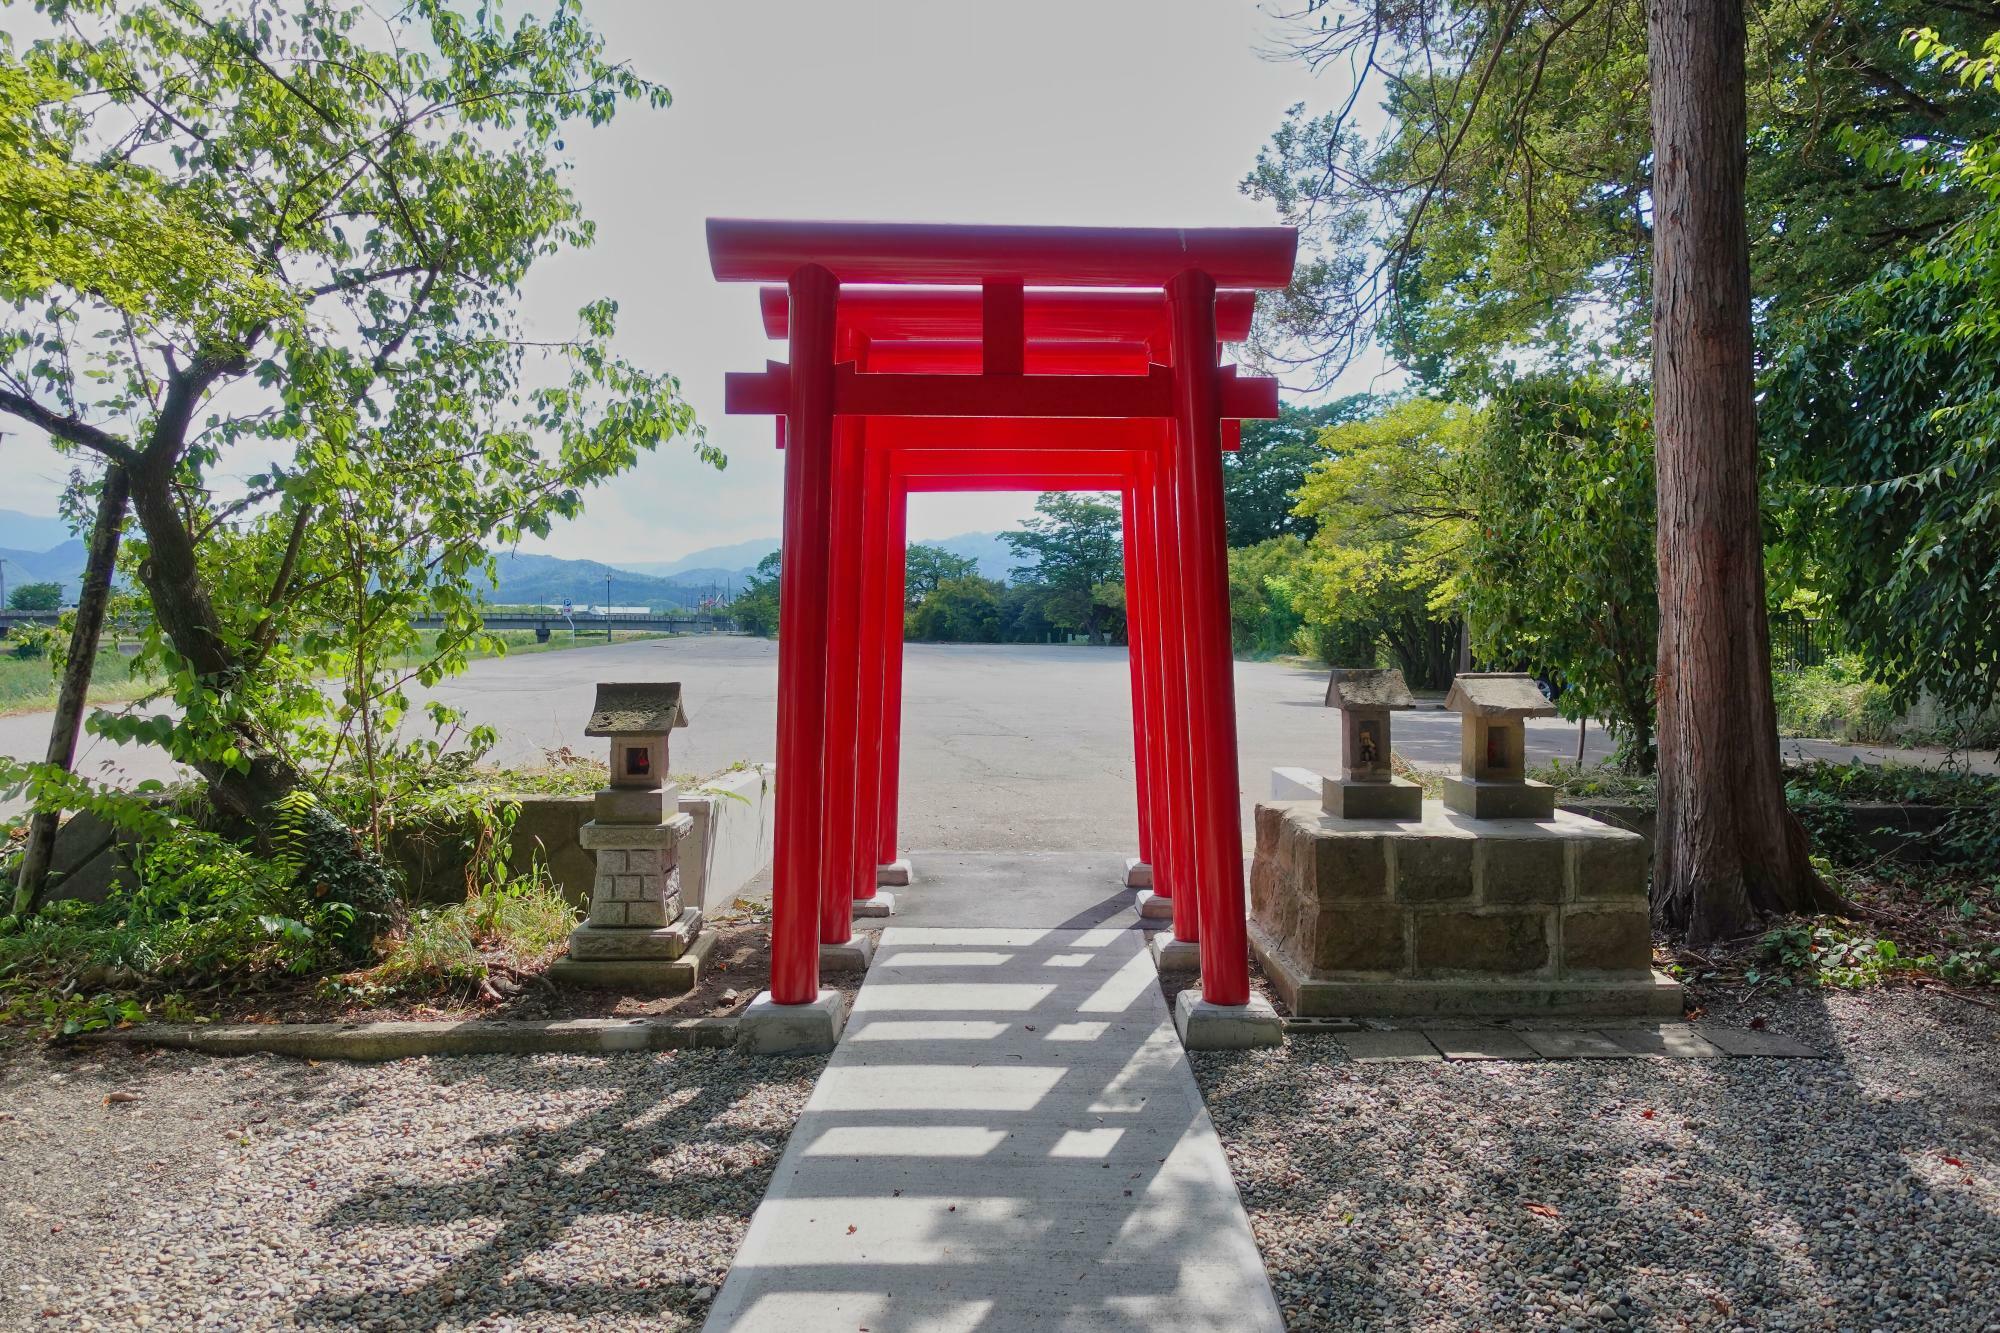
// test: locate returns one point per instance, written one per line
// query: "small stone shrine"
(638, 935)
(1488, 904)
(1493, 778)
(1367, 787)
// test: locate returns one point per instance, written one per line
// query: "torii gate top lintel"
(751, 250)
(952, 357)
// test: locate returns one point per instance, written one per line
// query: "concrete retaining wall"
(735, 815)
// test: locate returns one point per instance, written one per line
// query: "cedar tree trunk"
(1728, 851)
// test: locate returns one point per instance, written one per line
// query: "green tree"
(1881, 413)
(755, 609)
(1021, 616)
(965, 609)
(35, 597)
(300, 234)
(1384, 571)
(1559, 570)
(1072, 548)
(1260, 481)
(927, 567)
(1507, 207)
(1264, 582)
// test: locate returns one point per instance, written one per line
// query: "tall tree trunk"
(1729, 851)
(249, 794)
(91, 601)
(187, 615)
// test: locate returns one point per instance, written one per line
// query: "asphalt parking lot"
(1006, 747)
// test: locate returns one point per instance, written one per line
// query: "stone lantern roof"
(1352, 687)
(1497, 694)
(640, 708)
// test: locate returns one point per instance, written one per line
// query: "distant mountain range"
(61, 563)
(995, 556)
(547, 579)
(731, 561)
(735, 562)
(686, 581)
(39, 549)
(35, 548)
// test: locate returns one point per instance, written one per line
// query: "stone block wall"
(1450, 897)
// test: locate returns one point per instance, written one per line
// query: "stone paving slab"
(1750, 1042)
(1576, 1046)
(1368, 1048)
(1008, 1137)
(1481, 1044)
(1676, 1041)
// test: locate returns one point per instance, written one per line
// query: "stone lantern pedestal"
(639, 935)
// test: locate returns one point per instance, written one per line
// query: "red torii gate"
(977, 364)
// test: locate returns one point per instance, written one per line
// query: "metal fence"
(1797, 642)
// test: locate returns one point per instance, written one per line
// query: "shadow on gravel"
(1743, 1193)
(654, 1154)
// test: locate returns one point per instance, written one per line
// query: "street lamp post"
(607, 608)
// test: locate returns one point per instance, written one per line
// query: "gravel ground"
(573, 1192)
(1861, 1192)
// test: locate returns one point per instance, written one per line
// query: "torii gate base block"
(1226, 1027)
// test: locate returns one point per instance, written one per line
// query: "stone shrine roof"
(1357, 687)
(1497, 694)
(637, 708)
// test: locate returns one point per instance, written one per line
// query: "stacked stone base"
(1392, 798)
(637, 976)
(639, 937)
(1489, 799)
(1453, 916)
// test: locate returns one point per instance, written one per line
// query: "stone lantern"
(1368, 788)
(1493, 762)
(638, 934)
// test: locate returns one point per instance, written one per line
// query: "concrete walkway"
(1008, 1137)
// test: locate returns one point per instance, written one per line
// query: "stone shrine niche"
(1368, 787)
(1493, 708)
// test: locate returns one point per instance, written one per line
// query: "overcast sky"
(1083, 112)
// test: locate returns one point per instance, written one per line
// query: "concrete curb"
(402, 1040)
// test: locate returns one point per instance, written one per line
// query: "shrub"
(204, 908)
(1834, 698)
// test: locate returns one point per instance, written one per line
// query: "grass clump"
(465, 950)
(1599, 782)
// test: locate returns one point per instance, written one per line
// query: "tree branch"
(69, 428)
(357, 280)
(267, 627)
